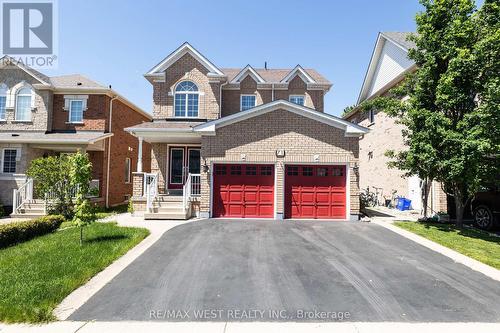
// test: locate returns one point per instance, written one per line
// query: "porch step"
(34, 205)
(26, 210)
(168, 198)
(165, 216)
(176, 210)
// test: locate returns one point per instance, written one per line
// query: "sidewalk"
(223, 327)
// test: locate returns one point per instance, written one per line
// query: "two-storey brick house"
(41, 116)
(244, 142)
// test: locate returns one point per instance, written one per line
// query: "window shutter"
(11, 96)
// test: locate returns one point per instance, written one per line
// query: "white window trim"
(2, 159)
(186, 106)
(69, 111)
(245, 95)
(16, 104)
(295, 96)
(128, 162)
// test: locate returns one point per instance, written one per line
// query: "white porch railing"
(94, 189)
(150, 189)
(22, 195)
(192, 188)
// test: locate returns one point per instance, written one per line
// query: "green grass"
(105, 212)
(473, 243)
(35, 276)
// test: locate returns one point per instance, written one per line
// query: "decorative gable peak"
(159, 70)
(248, 71)
(301, 72)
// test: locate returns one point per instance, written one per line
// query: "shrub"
(18, 232)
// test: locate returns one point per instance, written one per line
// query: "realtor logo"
(29, 31)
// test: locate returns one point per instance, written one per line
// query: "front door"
(182, 161)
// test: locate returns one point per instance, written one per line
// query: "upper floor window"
(3, 100)
(76, 111)
(297, 99)
(186, 100)
(247, 102)
(23, 104)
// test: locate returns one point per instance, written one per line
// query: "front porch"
(18, 190)
(171, 189)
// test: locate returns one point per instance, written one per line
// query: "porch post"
(139, 157)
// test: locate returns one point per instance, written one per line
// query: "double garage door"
(311, 191)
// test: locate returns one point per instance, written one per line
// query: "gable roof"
(350, 129)
(400, 38)
(177, 54)
(298, 70)
(9, 61)
(399, 63)
(248, 70)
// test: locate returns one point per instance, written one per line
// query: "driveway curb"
(454, 255)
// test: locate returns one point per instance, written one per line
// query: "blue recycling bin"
(403, 203)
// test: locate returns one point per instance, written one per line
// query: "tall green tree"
(452, 111)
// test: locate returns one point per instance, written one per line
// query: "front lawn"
(35, 276)
(473, 243)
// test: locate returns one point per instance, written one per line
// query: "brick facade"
(259, 138)
(386, 134)
(49, 115)
(40, 114)
(186, 68)
(95, 118)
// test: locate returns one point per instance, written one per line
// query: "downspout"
(272, 92)
(220, 98)
(109, 148)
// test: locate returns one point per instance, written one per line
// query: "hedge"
(18, 232)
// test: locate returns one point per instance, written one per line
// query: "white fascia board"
(371, 67)
(280, 104)
(248, 70)
(178, 53)
(296, 71)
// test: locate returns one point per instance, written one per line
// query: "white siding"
(392, 62)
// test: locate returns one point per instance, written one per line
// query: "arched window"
(3, 100)
(23, 104)
(186, 100)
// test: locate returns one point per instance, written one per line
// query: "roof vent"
(265, 65)
(15, 134)
(78, 83)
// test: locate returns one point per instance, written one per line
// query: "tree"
(347, 109)
(452, 113)
(52, 179)
(80, 175)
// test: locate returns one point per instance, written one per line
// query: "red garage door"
(315, 191)
(242, 190)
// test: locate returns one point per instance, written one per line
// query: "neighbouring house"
(42, 116)
(388, 67)
(244, 142)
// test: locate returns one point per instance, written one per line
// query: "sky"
(115, 42)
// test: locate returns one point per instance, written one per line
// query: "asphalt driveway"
(225, 270)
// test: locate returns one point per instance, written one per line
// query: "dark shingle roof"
(400, 38)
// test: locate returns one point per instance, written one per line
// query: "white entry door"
(415, 193)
